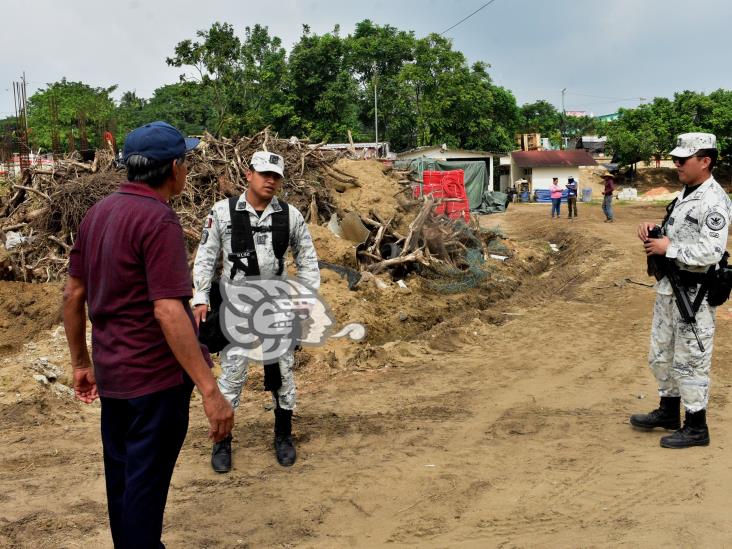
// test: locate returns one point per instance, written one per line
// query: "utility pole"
(564, 119)
(376, 113)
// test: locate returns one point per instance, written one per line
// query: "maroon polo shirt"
(130, 252)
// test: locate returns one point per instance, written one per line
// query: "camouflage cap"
(688, 144)
(263, 161)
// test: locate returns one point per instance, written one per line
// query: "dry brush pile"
(42, 212)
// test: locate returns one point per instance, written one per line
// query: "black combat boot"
(693, 433)
(665, 416)
(284, 447)
(221, 456)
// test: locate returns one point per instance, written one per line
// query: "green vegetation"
(237, 83)
(650, 130)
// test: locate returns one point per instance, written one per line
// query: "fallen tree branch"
(415, 228)
(416, 256)
(13, 227)
(32, 190)
(59, 242)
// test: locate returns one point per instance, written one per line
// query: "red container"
(446, 184)
(458, 209)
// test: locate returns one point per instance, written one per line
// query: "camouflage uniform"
(697, 229)
(216, 237)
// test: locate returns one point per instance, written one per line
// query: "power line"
(606, 97)
(468, 17)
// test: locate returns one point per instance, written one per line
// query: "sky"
(606, 54)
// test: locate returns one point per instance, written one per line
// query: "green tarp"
(493, 202)
(476, 174)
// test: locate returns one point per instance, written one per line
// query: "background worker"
(556, 196)
(572, 197)
(607, 196)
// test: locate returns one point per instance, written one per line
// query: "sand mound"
(658, 194)
(377, 191)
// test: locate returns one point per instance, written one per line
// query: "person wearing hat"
(129, 265)
(694, 238)
(264, 214)
(572, 197)
(607, 196)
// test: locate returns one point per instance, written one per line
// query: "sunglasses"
(682, 160)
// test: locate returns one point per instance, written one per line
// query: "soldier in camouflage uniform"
(695, 238)
(260, 202)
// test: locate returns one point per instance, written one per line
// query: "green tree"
(457, 104)
(130, 114)
(216, 62)
(324, 93)
(259, 98)
(540, 117)
(245, 78)
(720, 121)
(639, 134)
(375, 56)
(77, 104)
(650, 130)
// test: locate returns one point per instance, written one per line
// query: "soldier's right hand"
(199, 314)
(643, 229)
(220, 415)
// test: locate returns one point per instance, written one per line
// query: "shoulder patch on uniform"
(204, 236)
(207, 224)
(715, 221)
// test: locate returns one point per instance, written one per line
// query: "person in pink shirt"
(556, 196)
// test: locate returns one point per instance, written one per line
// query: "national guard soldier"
(693, 239)
(267, 226)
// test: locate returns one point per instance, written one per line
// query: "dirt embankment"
(27, 310)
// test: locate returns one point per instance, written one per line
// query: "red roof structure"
(538, 159)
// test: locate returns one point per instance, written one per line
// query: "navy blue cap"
(158, 141)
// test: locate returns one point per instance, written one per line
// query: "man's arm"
(85, 386)
(303, 250)
(206, 256)
(179, 334)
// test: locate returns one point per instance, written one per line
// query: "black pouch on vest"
(720, 283)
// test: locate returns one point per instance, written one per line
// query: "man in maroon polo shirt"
(129, 265)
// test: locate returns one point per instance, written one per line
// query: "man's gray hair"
(151, 172)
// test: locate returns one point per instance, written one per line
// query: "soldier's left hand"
(656, 246)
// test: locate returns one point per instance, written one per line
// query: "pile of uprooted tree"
(40, 215)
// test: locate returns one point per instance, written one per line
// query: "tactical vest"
(242, 247)
(242, 239)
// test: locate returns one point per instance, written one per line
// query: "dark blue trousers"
(142, 438)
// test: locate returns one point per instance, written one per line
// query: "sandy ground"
(501, 425)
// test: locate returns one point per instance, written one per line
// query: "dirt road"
(506, 429)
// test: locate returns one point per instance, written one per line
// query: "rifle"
(666, 267)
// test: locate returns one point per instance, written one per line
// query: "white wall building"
(539, 167)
